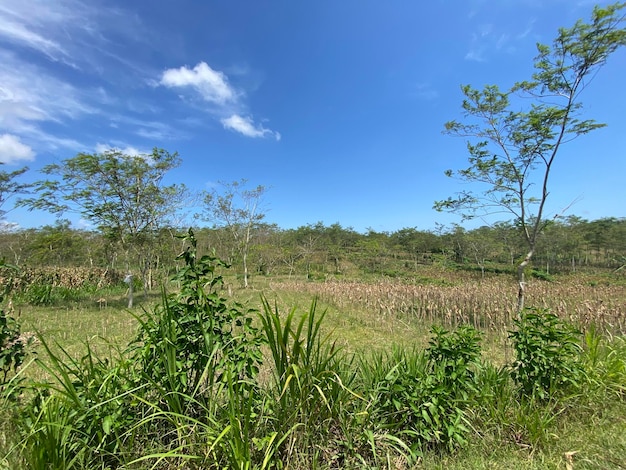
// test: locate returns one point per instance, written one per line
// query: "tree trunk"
(245, 270)
(521, 281)
(129, 280)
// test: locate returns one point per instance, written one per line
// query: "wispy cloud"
(479, 43)
(85, 42)
(487, 39)
(145, 127)
(31, 98)
(214, 88)
(68, 31)
(425, 91)
(246, 126)
(31, 25)
(44, 26)
(125, 149)
(36, 98)
(12, 150)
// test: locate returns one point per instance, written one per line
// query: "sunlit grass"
(588, 433)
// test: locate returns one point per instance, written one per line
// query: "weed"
(547, 352)
(422, 396)
(311, 378)
(189, 343)
(12, 345)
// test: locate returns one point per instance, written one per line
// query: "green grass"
(584, 440)
(313, 404)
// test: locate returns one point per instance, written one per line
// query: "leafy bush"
(45, 295)
(605, 364)
(172, 387)
(195, 338)
(547, 354)
(12, 344)
(38, 295)
(541, 275)
(423, 396)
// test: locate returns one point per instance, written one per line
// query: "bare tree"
(239, 210)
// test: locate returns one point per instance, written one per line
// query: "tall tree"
(514, 151)
(124, 196)
(238, 209)
(10, 187)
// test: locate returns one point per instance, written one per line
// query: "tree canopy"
(512, 151)
(124, 196)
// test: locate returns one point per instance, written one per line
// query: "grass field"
(373, 324)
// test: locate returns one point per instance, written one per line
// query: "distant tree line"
(317, 251)
(136, 215)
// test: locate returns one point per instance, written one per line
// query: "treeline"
(317, 250)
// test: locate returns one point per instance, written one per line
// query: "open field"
(371, 320)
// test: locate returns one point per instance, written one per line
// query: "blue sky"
(336, 105)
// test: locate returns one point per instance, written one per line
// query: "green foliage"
(547, 353)
(311, 378)
(9, 186)
(541, 275)
(423, 396)
(452, 357)
(38, 294)
(514, 145)
(605, 364)
(238, 210)
(81, 418)
(12, 344)
(249, 439)
(193, 354)
(45, 295)
(58, 245)
(186, 393)
(121, 194)
(196, 338)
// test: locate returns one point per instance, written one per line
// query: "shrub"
(195, 338)
(80, 419)
(12, 344)
(423, 397)
(547, 354)
(166, 391)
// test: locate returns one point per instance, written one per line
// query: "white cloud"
(214, 87)
(34, 95)
(84, 224)
(68, 31)
(17, 33)
(147, 129)
(477, 55)
(211, 84)
(127, 150)
(12, 150)
(488, 39)
(7, 226)
(246, 126)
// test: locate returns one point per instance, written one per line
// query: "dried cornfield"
(485, 304)
(70, 278)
